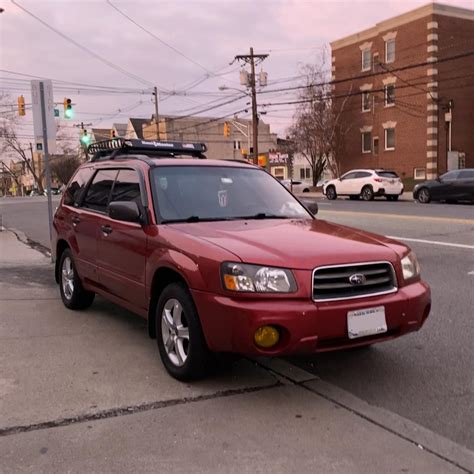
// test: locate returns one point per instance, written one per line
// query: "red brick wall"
(410, 112)
(456, 82)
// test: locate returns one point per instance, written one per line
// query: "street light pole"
(157, 119)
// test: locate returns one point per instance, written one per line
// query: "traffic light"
(226, 129)
(85, 137)
(21, 106)
(68, 112)
(112, 134)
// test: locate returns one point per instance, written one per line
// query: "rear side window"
(98, 193)
(74, 191)
(466, 174)
(363, 174)
(387, 174)
(126, 187)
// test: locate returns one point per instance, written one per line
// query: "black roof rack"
(108, 149)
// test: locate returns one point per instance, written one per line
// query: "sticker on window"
(163, 182)
(222, 196)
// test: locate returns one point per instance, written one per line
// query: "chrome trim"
(393, 290)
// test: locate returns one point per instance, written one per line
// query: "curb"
(425, 439)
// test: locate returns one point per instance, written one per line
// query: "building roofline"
(412, 15)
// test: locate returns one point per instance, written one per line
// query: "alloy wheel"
(67, 278)
(424, 196)
(175, 332)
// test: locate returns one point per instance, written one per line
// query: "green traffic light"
(68, 113)
(85, 139)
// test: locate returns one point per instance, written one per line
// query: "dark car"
(220, 258)
(456, 185)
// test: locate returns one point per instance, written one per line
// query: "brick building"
(410, 101)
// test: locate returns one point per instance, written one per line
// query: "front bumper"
(305, 326)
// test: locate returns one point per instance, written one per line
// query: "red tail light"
(379, 180)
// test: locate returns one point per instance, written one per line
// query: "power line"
(157, 38)
(83, 48)
(372, 74)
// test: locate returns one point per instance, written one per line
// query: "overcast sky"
(210, 33)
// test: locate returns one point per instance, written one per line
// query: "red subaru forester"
(220, 257)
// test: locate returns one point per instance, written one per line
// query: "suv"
(220, 257)
(365, 184)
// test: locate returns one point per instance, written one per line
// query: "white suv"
(365, 184)
(296, 187)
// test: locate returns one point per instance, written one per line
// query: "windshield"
(198, 193)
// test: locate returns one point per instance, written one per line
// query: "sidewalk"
(86, 392)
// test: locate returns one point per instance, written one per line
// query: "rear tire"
(424, 196)
(179, 335)
(73, 294)
(331, 193)
(306, 190)
(367, 193)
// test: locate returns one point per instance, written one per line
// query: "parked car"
(456, 185)
(297, 187)
(365, 184)
(218, 257)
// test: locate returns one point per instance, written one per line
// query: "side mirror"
(312, 207)
(127, 211)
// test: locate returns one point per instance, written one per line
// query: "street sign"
(38, 124)
(56, 112)
(39, 147)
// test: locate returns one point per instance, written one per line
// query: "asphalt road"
(426, 377)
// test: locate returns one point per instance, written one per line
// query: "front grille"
(368, 279)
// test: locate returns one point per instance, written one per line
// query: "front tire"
(424, 196)
(73, 294)
(331, 193)
(367, 193)
(180, 339)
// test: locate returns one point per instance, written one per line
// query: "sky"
(185, 51)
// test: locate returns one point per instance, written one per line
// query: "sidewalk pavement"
(86, 392)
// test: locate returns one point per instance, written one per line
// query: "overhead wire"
(82, 47)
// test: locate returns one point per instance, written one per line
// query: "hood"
(298, 244)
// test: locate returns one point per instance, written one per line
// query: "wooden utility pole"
(252, 59)
(157, 118)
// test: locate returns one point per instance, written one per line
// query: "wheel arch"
(162, 277)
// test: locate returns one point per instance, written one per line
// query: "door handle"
(106, 229)
(75, 220)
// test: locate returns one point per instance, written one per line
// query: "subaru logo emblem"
(357, 279)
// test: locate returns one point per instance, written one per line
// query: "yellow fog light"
(266, 336)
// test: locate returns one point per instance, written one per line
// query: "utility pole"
(157, 118)
(253, 59)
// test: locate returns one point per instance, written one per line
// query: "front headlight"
(410, 266)
(255, 278)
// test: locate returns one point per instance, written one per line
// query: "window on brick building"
(237, 145)
(365, 101)
(389, 95)
(366, 59)
(419, 173)
(390, 51)
(366, 142)
(390, 139)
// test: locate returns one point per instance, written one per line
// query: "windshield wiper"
(263, 215)
(195, 219)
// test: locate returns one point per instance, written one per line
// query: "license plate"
(366, 322)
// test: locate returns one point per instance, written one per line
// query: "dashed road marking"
(433, 242)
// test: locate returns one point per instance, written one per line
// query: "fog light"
(266, 336)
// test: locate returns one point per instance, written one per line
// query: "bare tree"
(318, 131)
(64, 166)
